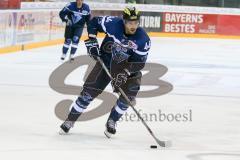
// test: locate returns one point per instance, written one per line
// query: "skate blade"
(63, 58)
(62, 132)
(70, 60)
(107, 134)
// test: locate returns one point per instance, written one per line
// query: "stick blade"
(166, 144)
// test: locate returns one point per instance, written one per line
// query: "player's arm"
(65, 12)
(88, 16)
(138, 58)
(95, 25)
(101, 24)
(91, 43)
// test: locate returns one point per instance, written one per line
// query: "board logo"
(57, 83)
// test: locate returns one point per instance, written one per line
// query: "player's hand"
(120, 79)
(92, 47)
(69, 22)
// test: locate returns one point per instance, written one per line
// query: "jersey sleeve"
(139, 56)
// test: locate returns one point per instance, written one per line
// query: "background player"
(124, 51)
(76, 15)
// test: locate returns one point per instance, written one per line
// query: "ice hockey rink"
(205, 74)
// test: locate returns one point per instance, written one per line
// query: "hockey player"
(124, 51)
(76, 15)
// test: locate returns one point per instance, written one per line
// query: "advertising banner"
(10, 4)
(56, 26)
(24, 30)
(32, 27)
(189, 23)
(229, 25)
(152, 21)
(7, 29)
(14, 4)
(4, 4)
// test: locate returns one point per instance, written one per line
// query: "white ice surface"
(206, 78)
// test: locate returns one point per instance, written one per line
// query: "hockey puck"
(153, 146)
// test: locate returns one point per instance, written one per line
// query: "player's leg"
(131, 88)
(95, 83)
(67, 42)
(75, 40)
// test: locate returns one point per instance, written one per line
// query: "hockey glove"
(92, 47)
(69, 22)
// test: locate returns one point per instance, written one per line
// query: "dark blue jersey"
(78, 16)
(117, 45)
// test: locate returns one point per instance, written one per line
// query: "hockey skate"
(63, 57)
(65, 127)
(110, 128)
(71, 57)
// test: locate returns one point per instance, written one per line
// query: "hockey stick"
(159, 142)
